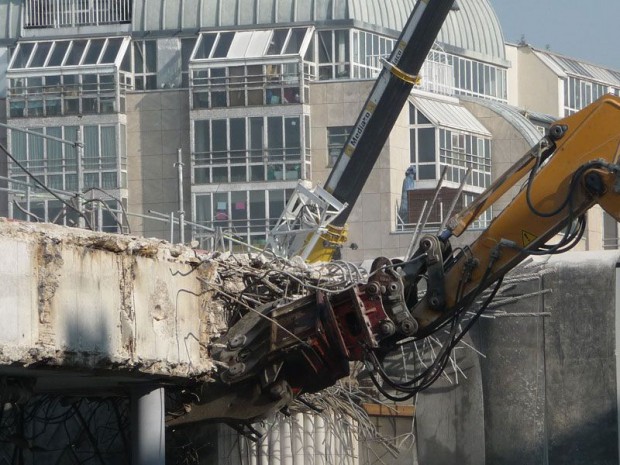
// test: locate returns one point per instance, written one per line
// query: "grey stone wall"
(157, 126)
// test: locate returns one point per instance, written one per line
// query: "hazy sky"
(585, 29)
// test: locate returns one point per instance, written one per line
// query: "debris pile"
(244, 282)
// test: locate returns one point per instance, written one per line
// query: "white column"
(286, 451)
(148, 429)
(308, 439)
(320, 446)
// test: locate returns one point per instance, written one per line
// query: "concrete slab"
(79, 304)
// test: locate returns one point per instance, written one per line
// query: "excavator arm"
(573, 168)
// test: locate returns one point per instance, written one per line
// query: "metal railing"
(68, 13)
(611, 243)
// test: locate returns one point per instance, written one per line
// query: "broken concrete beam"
(82, 300)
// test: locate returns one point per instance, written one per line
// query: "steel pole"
(180, 186)
(79, 146)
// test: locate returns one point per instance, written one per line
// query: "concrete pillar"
(148, 429)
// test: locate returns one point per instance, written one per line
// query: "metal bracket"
(436, 289)
(413, 79)
(305, 218)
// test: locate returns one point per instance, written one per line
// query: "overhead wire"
(44, 187)
(118, 201)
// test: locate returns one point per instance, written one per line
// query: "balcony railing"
(71, 13)
(611, 243)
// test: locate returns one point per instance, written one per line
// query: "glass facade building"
(251, 118)
(72, 90)
(257, 95)
(250, 125)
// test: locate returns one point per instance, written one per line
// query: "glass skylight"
(77, 52)
(252, 44)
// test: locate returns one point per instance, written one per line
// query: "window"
(145, 64)
(187, 45)
(422, 141)
(68, 94)
(333, 54)
(251, 44)
(579, 93)
(72, 77)
(367, 51)
(247, 85)
(460, 151)
(478, 79)
(247, 149)
(336, 138)
(77, 52)
(434, 148)
(55, 13)
(55, 163)
(263, 67)
(248, 214)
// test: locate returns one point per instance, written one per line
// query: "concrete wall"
(157, 126)
(540, 89)
(554, 381)
(450, 415)
(549, 375)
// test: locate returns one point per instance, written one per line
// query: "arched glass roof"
(474, 29)
(513, 116)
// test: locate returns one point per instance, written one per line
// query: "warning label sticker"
(527, 238)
